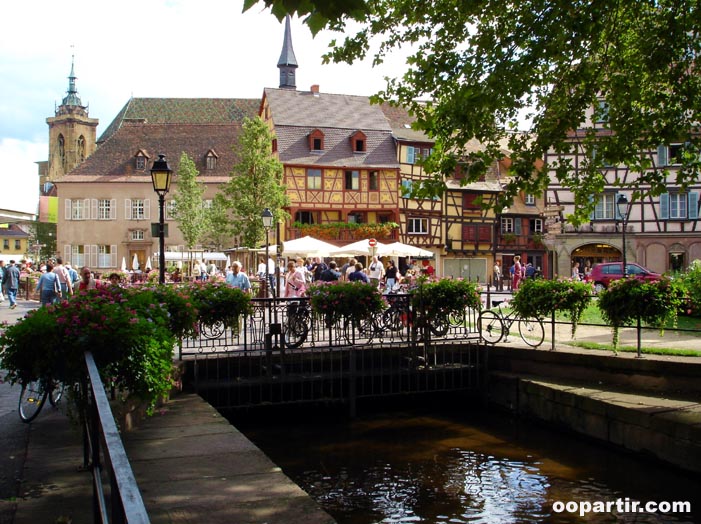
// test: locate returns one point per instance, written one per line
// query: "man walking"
(12, 283)
(2, 280)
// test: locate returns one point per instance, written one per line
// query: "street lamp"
(623, 208)
(160, 178)
(267, 218)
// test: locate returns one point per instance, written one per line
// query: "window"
(140, 162)
(208, 203)
(78, 256)
(670, 155)
(77, 209)
(356, 218)
(417, 226)
(507, 225)
(410, 154)
(358, 142)
(5, 243)
(106, 209)
(373, 181)
(18, 244)
(137, 209)
(305, 217)
(406, 188)
(211, 160)
(679, 206)
(137, 234)
(535, 225)
(605, 208)
(106, 256)
(316, 140)
(530, 200)
(352, 180)
(274, 145)
(81, 148)
(170, 210)
(602, 112)
(314, 179)
(471, 202)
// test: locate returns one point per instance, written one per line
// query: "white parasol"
(307, 246)
(398, 249)
(124, 264)
(148, 263)
(361, 247)
(135, 262)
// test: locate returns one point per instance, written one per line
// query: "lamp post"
(160, 178)
(623, 208)
(267, 218)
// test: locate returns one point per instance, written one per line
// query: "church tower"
(287, 64)
(72, 134)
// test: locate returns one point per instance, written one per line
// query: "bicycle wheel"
(439, 326)
(392, 319)
(31, 400)
(532, 331)
(297, 330)
(491, 327)
(57, 389)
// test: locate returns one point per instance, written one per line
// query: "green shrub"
(443, 297)
(345, 300)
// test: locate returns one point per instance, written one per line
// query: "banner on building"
(48, 209)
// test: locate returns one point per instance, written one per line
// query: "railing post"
(639, 331)
(552, 333)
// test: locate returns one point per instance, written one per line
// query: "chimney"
(315, 89)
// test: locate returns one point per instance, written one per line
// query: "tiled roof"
(114, 160)
(295, 114)
(400, 120)
(183, 111)
(304, 109)
(13, 230)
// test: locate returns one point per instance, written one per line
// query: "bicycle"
(33, 395)
(494, 326)
(298, 323)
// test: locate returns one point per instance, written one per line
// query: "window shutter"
(410, 154)
(93, 209)
(113, 255)
(147, 209)
(92, 250)
(664, 205)
(127, 209)
(517, 226)
(113, 209)
(661, 155)
(86, 209)
(693, 205)
(67, 254)
(68, 209)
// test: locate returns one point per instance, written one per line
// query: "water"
(451, 467)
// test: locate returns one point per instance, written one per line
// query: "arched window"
(62, 150)
(81, 148)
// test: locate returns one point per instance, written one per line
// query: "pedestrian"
(12, 283)
(86, 280)
(392, 276)
(2, 280)
(48, 286)
(498, 282)
(238, 278)
(63, 278)
(349, 268)
(73, 275)
(575, 272)
(518, 273)
(295, 281)
(358, 275)
(376, 271)
(330, 274)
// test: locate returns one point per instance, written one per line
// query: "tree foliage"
(188, 209)
(256, 183)
(480, 69)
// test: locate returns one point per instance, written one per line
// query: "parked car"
(601, 275)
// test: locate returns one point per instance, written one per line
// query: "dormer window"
(211, 160)
(316, 140)
(358, 142)
(140, 160)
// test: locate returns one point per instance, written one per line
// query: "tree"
(188, 209)
(256, 183)
(219, 232)
(482, 68)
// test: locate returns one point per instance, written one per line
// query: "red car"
(602, 274)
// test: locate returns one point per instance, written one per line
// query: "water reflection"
(449, 468)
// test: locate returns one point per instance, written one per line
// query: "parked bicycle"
(495, 325)
(298, 323)
(33, 395)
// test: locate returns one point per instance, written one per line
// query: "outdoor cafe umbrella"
(148, 263)
(135, 262)
(359, 248)
(124, 264)
(307, 246)
(398, 249)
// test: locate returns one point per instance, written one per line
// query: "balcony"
(345, 232)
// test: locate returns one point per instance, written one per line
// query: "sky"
(143, 48)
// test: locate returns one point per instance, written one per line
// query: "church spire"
(72, 98)
(287, 62)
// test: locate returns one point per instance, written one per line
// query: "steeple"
(287, 62)
(72, 98)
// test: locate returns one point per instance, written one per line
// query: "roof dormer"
(316, 140)
(359, 141)
(140, 160)
(211, 159)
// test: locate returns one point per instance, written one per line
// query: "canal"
(458, 463)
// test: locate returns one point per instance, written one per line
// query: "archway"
(589, 255)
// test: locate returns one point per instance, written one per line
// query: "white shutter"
(113, 209)
(67, 254)
(68, 209)
(147, 209)
(86, 209)
(92, 249)
(113, 255)
(93, 209)
(127, 209)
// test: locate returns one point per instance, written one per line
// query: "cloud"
(19, 177)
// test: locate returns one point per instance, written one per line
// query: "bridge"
(284, 353)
